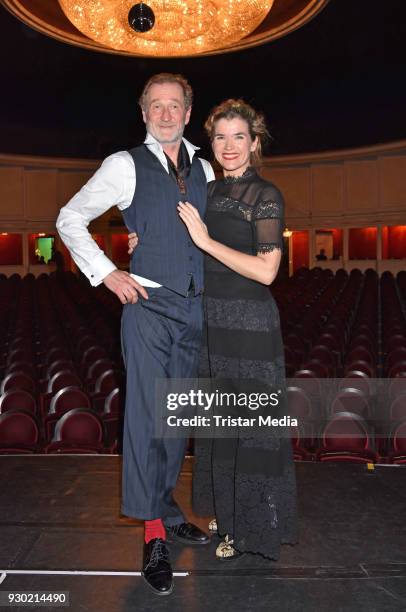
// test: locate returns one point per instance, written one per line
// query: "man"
(162, 316)
(322, 255)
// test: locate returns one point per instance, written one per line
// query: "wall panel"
(294, 183)
(393, 182)
(40, 193)
(11, 193)
(362, 186)
(70, 183)
(327, 189)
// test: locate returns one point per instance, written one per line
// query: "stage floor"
(62, 514)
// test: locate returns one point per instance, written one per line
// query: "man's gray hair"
(167, 77)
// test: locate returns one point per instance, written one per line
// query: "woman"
(248, 481)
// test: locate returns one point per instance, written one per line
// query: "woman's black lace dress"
(247, 482)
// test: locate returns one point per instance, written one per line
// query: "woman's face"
(233, 145)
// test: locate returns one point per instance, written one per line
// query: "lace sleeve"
(268, 218)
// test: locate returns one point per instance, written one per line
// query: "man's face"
(165, 114)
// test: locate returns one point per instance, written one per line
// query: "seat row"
(336, 325)
(372, 399)
(346, 437)
(78, 430)
(106, 404)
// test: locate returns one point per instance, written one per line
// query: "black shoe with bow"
(187, 533)
(157, 569)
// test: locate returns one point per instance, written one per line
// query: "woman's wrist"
(209, 245)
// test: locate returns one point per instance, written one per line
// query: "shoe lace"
(159, 553)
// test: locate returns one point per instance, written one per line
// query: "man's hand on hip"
(124, 286)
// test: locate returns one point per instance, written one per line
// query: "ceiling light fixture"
(166, 28)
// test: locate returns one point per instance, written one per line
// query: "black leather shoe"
(187, 533)
(157, 569)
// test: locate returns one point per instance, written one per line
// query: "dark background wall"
(337, 82)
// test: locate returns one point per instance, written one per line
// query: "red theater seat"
(357, 380)
(58, 366)
(347, 437)
(397, 453)
(60, 380)
(360, 366)
(308, 381)
(78, 431)
(112, 417)
(22, 366)
(351, 400)
(300, 444)
(18, 380)
(68, 398)
(107, 381)
(397, 370)
(360, 353)
(98, 367)
(23, 354)
(17, 399)
(395, 341)
(112, 403)
(63, 401)
(397, 410)
(395, 357)
(92, 354)
(57, 354)
(325, 356)
(19, 432)
(397, 386)
(320, 369)
(363, 340)
(63, 379)
(299, 403)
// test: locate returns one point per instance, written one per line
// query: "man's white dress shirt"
(113, 184)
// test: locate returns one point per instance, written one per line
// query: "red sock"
(154, 529)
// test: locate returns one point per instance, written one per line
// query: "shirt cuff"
(100, 268)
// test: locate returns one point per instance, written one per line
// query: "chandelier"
(166, 28)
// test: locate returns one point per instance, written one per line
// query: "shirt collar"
(152, 142)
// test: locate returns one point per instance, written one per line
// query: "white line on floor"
(4, 573)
